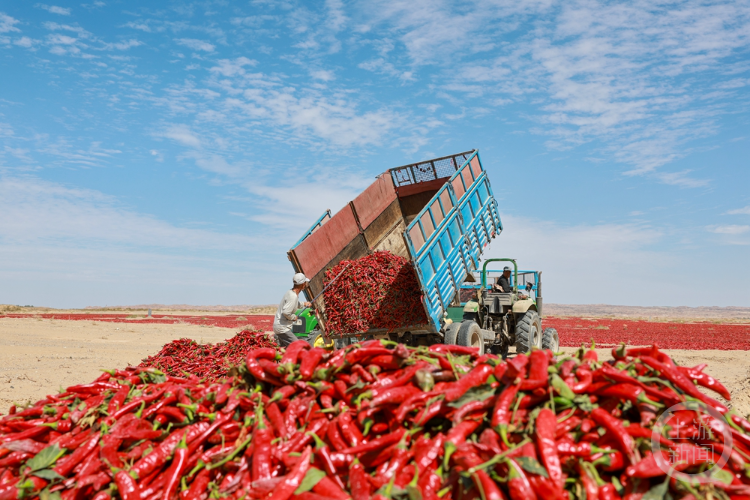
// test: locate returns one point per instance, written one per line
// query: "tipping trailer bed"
(439, 213)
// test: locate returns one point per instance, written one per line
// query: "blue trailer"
(441, 214)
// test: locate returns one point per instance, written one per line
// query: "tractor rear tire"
(550, 340)
(528, 332)
(470, 335)
(451, 333)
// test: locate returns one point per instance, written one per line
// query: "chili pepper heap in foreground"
(379, 420)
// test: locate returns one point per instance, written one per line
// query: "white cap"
(300, 278)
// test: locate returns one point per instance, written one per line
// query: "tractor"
(494, 321)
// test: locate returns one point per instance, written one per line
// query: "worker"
(526, 293)
(285, 317)
(503, 282)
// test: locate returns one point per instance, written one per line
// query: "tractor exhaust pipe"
(539, 300)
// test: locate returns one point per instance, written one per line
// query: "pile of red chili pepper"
(207, 361)
(376, 291)
(379, 420)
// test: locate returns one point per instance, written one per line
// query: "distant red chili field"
(235, 321)
(573, 331)
(609, 332)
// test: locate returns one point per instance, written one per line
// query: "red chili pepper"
(682, 382)
(310, 361)
(127, 486)
(328, 488)
(160, 454)
(64, 468)
(293, 350)
(589, 484)
(475, 377)
(334, 437)
(412, 403)
(291, 482)
(486, 486)
(394, 395)
(376, 444)
(566, 446)
(118, 399)
(608, 492)
(705, 380)
(261, 459)
(519, 486)
(618, 432)
(545, 440)
(349, 430)
(174, 473)
(199, 485)
(502, 411)
(359, 483)
(538, 374)
(472, 407)
(460, 432)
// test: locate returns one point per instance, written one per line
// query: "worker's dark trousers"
(284, 335)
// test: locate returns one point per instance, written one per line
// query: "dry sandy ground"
(39, 356)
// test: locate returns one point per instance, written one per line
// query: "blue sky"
(173, 152)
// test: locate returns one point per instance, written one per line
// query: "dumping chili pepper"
(376, 291)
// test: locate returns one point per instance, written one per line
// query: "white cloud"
(70, 247)
(54, 9)
(735, 83)
(282, 206)
(82, 33)
(217, 164)
(731, 229)
(681, 179)
(336, 121)
(740, 211)
(182, 134)
(62, 39)
(94, 156)
(158, 156)
(7, 23)
(194, 44)
(611, 74)
(125, 45)
(5, 130)
(24, 41)
(324, 75)
(229, 67)
(139, 26)
(336, 18)
(431, 31)
(308, 113)
(40, 211)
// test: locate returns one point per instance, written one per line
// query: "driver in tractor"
(285, 317)
(502, 284)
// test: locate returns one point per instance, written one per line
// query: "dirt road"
(39, 356)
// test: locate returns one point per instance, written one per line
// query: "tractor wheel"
(528, 332)
(470, 335)
(550, 340)
(316, 339)
(451, 333)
